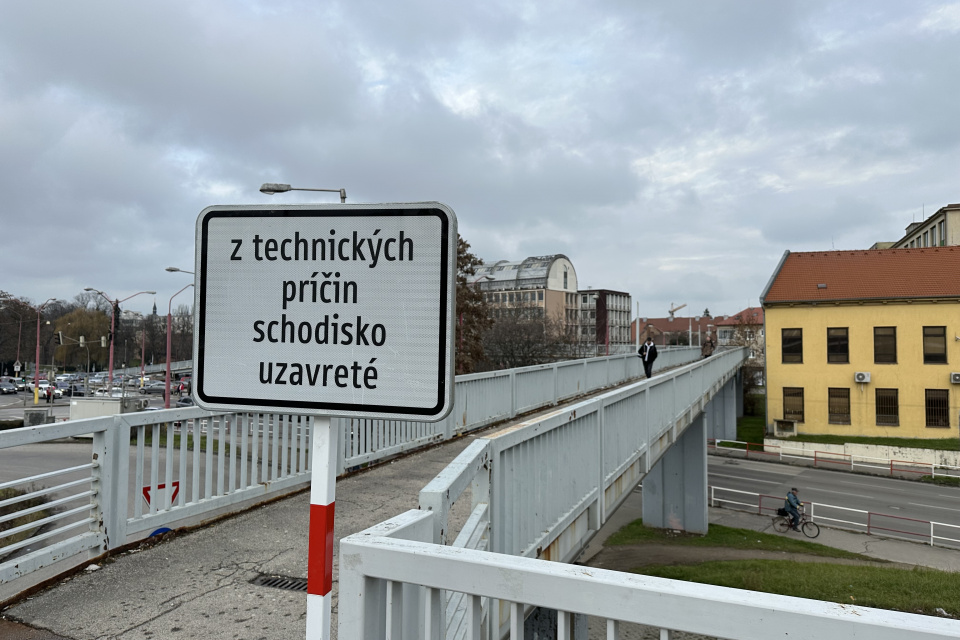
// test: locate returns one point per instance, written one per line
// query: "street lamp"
(271, 188)
(177, 270)
(166, 391)
(36, 363)
(113, 325)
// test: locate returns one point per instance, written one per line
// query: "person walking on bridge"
(648, 353)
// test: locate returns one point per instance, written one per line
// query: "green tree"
(472, 314)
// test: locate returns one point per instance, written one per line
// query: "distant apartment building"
(605, 320)
(540, 285)
(942, 229)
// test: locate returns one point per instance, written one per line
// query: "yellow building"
(864, 343)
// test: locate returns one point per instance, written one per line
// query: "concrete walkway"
(199, 584)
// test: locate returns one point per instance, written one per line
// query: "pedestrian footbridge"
(533, 491)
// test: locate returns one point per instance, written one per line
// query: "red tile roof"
(750, 315)
(866, 275)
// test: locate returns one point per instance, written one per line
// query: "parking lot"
(12, 405)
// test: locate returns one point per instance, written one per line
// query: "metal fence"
(397, 580)
(831, 515)
(541, 489)
(538, 490)
(148, 471)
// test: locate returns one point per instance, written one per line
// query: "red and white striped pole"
(323, 489)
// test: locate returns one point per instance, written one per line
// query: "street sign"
(334, 310)
(165, 497)
(16, 367)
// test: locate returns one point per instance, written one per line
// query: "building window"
(838, 345)
(926, 238)
(934, 345)
(792, 345)
(888, 408)
(564, 279)
(793, 403)
(838, 402)
(885, 345)
(540, 296)
(943, 235)
(933, 236)
(938, 407)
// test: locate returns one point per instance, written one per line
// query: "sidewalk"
(198, 585)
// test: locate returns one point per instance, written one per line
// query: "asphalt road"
(847, 493)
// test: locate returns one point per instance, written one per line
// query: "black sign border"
(328, 211)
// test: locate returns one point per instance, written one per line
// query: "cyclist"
(792, 506)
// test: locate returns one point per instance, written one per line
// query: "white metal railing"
(542, 488)
(396, 577)
(838, 460)
(838, 517)
(194, 466)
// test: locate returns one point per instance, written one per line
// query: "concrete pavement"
(199, 584)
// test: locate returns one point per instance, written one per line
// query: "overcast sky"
(672, 150)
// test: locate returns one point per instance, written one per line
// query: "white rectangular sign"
(338, 310)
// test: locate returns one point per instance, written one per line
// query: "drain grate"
(281, 582)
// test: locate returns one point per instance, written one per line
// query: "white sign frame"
(413, 384)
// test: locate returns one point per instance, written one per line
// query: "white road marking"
(723, 475)
(931, 506)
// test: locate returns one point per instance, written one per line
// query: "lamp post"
(113, 324)
(271, 188)
(36, 362)
(166, 390)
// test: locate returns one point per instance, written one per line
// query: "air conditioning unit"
(955, 378)
(861, 376)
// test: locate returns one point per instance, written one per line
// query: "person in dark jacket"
(792, 506)
(648, 353)
(709, 344)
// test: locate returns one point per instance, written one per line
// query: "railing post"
(111, 481)
(513, 393)
(601, 509)
(556, 384)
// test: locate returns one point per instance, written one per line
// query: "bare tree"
(523, 336)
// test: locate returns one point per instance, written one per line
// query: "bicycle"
(782, 523)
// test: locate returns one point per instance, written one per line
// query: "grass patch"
(148, 441)
(946, 481)
(917, 590)
(7, 494)
(728, 537)
(11, 423)
(751, 429)
(940, 444)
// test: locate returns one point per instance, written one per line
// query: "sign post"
(326, 310)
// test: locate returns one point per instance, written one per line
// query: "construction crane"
(674, 309)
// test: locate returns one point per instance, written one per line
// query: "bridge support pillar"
(722, 411)
(738, 392)
(675, 490)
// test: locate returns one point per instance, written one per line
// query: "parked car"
(7, 387)
(75, 390)
(116, 392)
(186, 401)
(153, 387)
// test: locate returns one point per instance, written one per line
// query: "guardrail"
(837, 460)
(396, 578)
(860, 520)
(542, 488)
(402, 578)
(148, 471)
